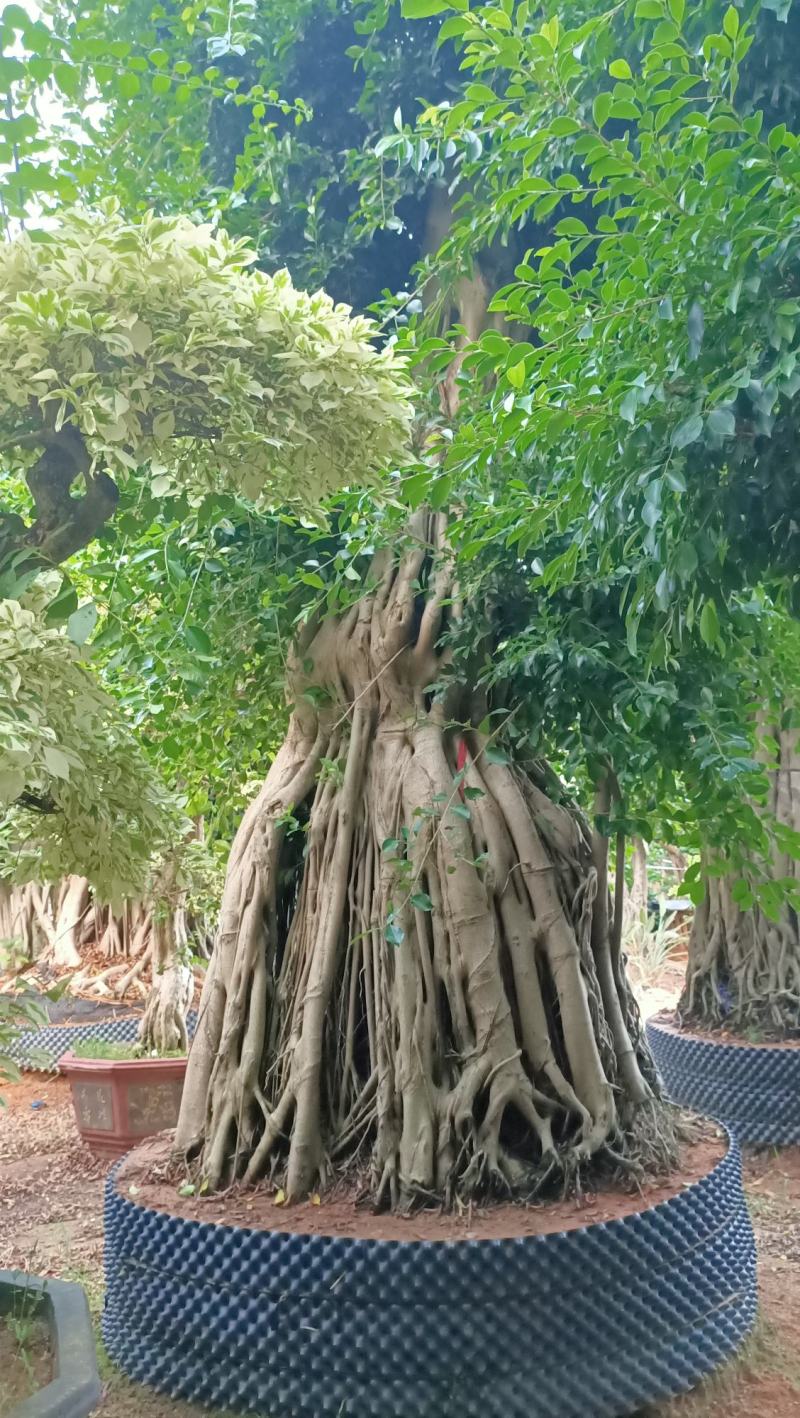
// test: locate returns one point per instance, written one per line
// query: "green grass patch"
(102, 1049)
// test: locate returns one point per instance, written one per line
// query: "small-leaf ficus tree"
(147, 350)
(658, 177)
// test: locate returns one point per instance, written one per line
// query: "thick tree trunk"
(744, 968)
(414, 968)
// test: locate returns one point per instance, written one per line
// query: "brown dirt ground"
(150, 1178)
(667, 1019)
(51, 1223)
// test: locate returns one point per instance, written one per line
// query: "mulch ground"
(51, 1224)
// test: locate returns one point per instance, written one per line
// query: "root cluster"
(414, 970)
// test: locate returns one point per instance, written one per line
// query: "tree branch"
(65, 523)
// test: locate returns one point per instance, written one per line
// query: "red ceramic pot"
(119, 1101)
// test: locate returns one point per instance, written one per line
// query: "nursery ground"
(51, 1223)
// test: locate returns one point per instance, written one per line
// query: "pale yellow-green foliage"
(63, 741)
(163, 345)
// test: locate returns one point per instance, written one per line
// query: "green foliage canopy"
(654, 402)
(76, 792)
(157, 343)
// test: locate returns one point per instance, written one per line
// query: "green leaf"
(721, 423)
(687, 432)
(423, 9)
(197, 639)
(68, 78)
(129, 85)
(461, 810)
(695, 327)
(685, 560)
(571, 226)
(742, 895)
(395, 935)
(709, 623)
(494, 754)
(421, 901)
(163, 426)
(620, 69)
(56, 762)
(81, 623)
(629, 405)
(601, 108)
(730, 23)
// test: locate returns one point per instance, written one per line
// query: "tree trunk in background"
(635, 916)
(18, 920)
(58, 923)
(680, 862)
(744, 968)
(72, 909)
(414, 973)
(163, 1026)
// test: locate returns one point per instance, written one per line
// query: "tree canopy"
(157, 344)
(77, 792)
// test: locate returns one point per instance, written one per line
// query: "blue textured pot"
(595, 1321)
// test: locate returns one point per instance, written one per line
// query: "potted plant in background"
(121, 1093)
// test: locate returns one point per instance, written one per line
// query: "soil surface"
(51, 1224)
(341, 1213)
(26, 1359)
(668, 1019)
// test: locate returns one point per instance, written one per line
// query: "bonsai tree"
(151, 350)
(432, 980)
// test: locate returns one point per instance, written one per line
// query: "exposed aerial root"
(414, 971)
(744, 967)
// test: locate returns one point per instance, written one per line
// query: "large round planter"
(595, 1321)
(753, 1088)
(117, 1102)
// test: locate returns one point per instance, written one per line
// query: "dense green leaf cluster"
(77, 793)
(653, 403)
(162, 348)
